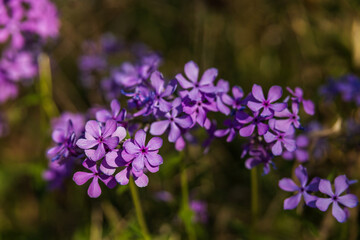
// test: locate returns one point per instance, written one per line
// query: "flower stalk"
(138, 210)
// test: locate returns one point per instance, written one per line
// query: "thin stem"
(254, 195)
(186, 212)
(138, 210)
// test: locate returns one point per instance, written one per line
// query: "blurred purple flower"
(308, 105)
(200, 210)
(301, 153)
(116, 113)
(289, 185)
(347, 200)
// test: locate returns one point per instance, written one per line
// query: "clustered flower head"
(347, 86)
(306, 190)
(175, 107)
(25, 25)
(114, 146)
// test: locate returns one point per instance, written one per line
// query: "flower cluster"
(307, 190)
(25, 25)
(177, 107)
(347, 87)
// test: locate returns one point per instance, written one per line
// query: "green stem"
(186, 212)
(254, 195)
(138, 210)
(45, 86)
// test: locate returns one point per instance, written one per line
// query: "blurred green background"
(288, 43)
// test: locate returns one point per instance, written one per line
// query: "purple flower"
(116, 113)
(163, 196)
(19, 65)
(256, 121)
(259, 155)
(143, 155)
(291, 118)
(94, 189)
(347, 200)
(140, 178)
(198, 110)
(303, 189)
(301, 154)
(65, 144)
(281, 139)
(267, 104)
(236, 102)
(174, 122)
(56, 174)
(77, 120)
(222, 87)
(8, 89)
(200, 210)
(157, 82)
(308, 105)
(233, 127)
(104, 137)
(205, 85)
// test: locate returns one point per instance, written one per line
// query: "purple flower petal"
(138, 163)
(278, 107)
(274, 94)
(158, 128)
(262, 128)
(94, 189)
(192, 71)
(86, 144)
(155, 143)
(269, 137)
(154, 159)
(120, 133)
(255, 106)
(302, 175)
(277, 148)
(309, 107)
(325, 187)
(142, 181)
(115, 107)
(93, 128)
(338, 213)
(292, 202)
(323, 203)
(140, 137)
(112, 142)
(348, 200)
(110, 127)
(131, 148)
(58, 136)
(289, 144)
(247, 130)
(340, 184)
(183, 82)
(174, 133)
(310, 200)
(288, 185)
(257, 93)
(209, 76)
(123, 177)
(150, 168)
(103, 115)
(184, 122)
(82, 177)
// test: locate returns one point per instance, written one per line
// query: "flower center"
(266, 103)
(144, 150)
(335, 198)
